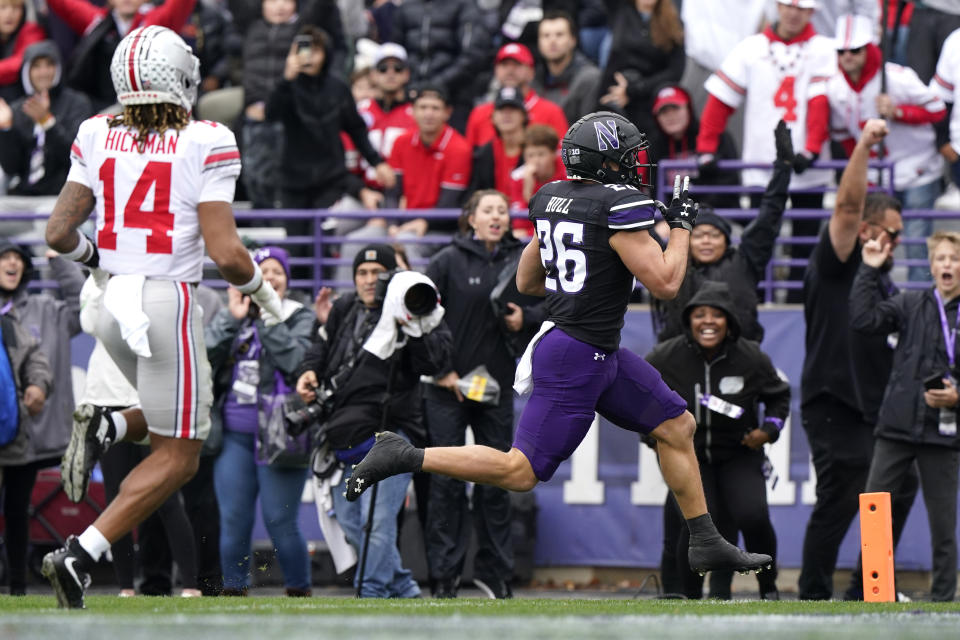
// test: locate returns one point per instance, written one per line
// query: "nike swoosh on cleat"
(68, 563)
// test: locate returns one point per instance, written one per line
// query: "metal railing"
(320, 262)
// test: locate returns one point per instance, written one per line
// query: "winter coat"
(69, 108)
(645, 66)
(575, 89)
(265, 51)
(313, 110)
(920, 353)
(445, 44)
(358, 401)
(53, 322)
(740, 267)
(465, 274)
(283, 348)
(30, 367)
(11, 54)
(740, 373)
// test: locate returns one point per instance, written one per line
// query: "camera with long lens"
(420, 298)
(300, 418)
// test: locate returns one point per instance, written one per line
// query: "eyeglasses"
(893, 234)
(856, 51)
(397, 67)
(704, 233)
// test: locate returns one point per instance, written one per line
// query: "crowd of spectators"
(423, 104)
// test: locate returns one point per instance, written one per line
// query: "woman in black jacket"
(724, 379)
(647, 52)
(918, 417)
(466, 273)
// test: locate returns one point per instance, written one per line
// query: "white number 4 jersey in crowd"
(146, 199)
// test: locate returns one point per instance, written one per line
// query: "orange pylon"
(876, 544)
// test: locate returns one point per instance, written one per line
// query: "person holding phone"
(918, 417)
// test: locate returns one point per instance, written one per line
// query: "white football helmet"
(153, 65)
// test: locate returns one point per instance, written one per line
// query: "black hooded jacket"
(17, 144)
(313, 110)
(465, 274)
(740, 373)
(741, 267)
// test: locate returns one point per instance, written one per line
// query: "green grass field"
(342, 618)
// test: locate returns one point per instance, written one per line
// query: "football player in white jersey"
(946, 84)
(910, 108)
(161, 185)
(779, 74)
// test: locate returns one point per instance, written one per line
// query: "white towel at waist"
(523, 378)
(343, 554)
(383, 340)
(124, 300)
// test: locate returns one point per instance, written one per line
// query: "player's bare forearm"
(660, 271)
(531, 276)
(72, 209)
(219, 231)
(675, 260)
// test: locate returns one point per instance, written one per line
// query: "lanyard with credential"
(6, 308)
(949, 335)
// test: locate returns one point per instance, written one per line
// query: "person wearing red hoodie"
(18, 30)
(910, 108)
(101, 29)
(780, 73)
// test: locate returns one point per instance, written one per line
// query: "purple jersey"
(588, 286)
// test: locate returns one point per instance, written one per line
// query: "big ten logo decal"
(649, 489)
(606, 135)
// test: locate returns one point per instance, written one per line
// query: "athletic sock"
(702, 527)
(93, 543)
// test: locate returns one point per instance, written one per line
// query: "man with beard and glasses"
(844, 373)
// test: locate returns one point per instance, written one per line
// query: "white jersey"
(946, 83)
(775, 80)
(912, 147)
(146, 203)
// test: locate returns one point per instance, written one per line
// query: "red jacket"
(539, 111)
(29, 33)
(81, 16)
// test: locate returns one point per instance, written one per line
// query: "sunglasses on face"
(840, 52)
(397, 67)
(893, 234)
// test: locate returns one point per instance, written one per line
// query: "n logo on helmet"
(606, 135)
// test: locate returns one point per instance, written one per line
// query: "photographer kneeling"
(370, 394)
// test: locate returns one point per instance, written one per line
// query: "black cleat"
(494, 589)
(715, 553)
(391, 455)
(93, 432)
(64, 568)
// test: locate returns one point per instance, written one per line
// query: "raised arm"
(852, 191)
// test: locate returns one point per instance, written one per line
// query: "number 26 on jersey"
(565, 264)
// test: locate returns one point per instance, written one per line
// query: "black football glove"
(802, 161)
(682, 211)
(707, 165)
(784, 144)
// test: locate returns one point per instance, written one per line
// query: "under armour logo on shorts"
(600, 356)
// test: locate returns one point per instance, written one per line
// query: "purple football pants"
(571, 381)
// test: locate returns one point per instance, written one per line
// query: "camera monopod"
(368, 528)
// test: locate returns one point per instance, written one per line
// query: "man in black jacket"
(712, 257)
(844, 373)
(36, 131)
(366, 388)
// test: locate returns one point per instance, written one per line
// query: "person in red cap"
(513, 68)
(678, 127)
